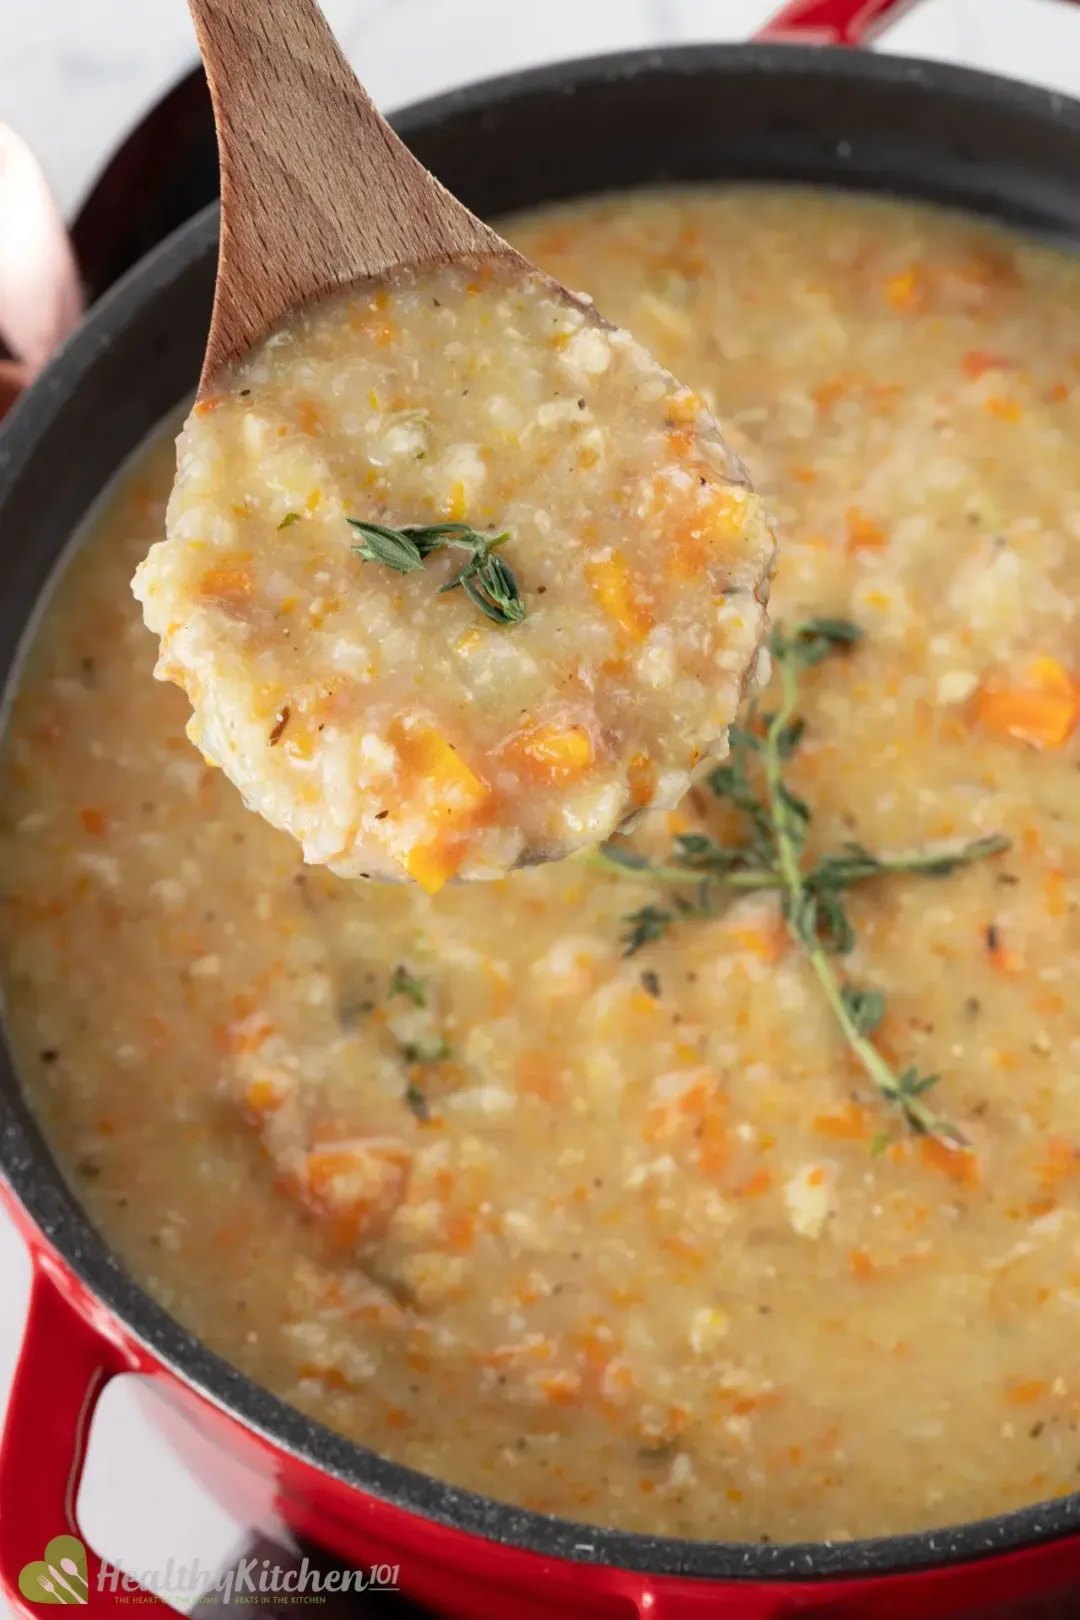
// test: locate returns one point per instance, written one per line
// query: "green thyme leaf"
(289, 519)
(812, 899)
(865, 1008)
(815, 639)
(432, 1049)
(402, 983)
(417, 1102)
(494, 590)
(788, 738)
(393, 547)
(645, 926)
(488, 581)
(834, 931)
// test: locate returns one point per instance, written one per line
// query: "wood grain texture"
(317, 191)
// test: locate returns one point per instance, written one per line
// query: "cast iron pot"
(760, 112)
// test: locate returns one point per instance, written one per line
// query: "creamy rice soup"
(642, 1239)
(457, 578)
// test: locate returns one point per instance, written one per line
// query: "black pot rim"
(38, 1186)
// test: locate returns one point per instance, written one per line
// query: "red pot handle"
(64, 1364)
(833, 22)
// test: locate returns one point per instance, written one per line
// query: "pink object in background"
(40, 295)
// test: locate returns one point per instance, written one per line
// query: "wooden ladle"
(317, 192)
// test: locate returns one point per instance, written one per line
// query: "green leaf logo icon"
(59, 1576)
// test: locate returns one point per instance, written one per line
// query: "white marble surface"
(74, 75)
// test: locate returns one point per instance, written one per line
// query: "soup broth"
(635, 1238)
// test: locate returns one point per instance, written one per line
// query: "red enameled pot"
(760, 112)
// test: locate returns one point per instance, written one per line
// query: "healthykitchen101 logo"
(60, 1576)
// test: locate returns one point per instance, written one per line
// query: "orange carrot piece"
(1006, 410)
(614, 587)
(1042, 710)
(757, 1184)
(863, 534)
(227, 584)
(958, 1164)
(906, 290)
(641, 779)
(977, 362)
(848, 1124)
(1026, 1392)
(552, 752)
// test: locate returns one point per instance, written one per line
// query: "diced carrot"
(685, 406)
(437, 779)
(613, 585)
(680, 441)
(1000, 957)
(803, 474)
(684, 1248)
(1026, 1392)
(1031, 842)
(979, 361)
(862, 1267)
(1054, 892)
(263, 1095)
(641, 779)
(538, 1076)
(1056, 393)
(209, 404)
(1061, 1163)
(694, 535)
(958, 1164)
(1043, 709)
(433, 865)
(1006, 410)
(863, 534)
(827, 394)
(906, 290)
(308, 416)
(94, 820)
(552, 752)
(847, 1124)
(356, 1185)
(461, 1232)
(560, 1388)
(713, 1144)
(227, 584)
(755, 1185)
(456, 502)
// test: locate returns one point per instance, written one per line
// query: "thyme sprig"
(773, 857)
(487, 580)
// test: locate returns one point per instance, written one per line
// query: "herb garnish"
(289, 519)
(812, 897)
(417, 1102)
(486, 579)
(433, 1049)
(402, 983)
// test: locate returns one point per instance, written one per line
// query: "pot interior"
(730, 114)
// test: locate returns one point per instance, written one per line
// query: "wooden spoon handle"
(317, 191)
